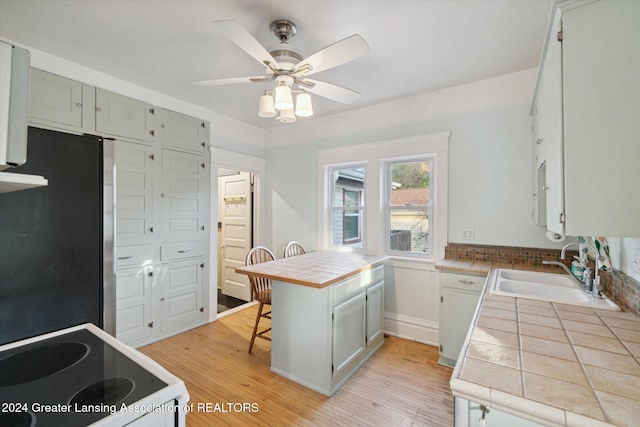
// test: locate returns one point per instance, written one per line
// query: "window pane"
(410, 184)
(347, 228)
(348, 184)
(410, 230)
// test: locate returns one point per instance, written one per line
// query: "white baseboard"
(412, 328)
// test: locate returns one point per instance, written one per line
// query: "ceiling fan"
(288, 68)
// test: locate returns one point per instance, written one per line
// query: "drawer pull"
(125, 257)
(466, 282)
(183, 252)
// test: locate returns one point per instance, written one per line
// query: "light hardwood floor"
(400, 385)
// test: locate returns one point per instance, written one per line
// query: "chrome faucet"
(591, 285)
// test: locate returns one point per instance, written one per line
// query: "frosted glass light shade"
(284, 101)
(303, 105)
(286, 116)
(266, 108)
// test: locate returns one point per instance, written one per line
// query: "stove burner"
(108, 392)
(34, 364)
(17, 419)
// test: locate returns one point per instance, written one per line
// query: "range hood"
(14, 103)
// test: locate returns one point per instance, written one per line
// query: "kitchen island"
(327, 315)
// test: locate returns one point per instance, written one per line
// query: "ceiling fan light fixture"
(266, 107)
(286, 116)
(303, 105)
(283, 101)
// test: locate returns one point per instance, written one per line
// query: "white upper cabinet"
(126, 117)
(58, 103)
(548, 134)
(591, 157)
(184, 132)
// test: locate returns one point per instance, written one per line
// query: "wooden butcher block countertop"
(314, 269)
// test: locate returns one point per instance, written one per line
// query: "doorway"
(235, 236)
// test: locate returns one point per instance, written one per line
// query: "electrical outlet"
(468, 233)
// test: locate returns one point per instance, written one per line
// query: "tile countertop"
(556, 364)
(314, 269)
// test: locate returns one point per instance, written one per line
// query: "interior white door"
(236, 219)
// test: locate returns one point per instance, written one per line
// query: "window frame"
(333, 208)
(389, 207)
(373, 156)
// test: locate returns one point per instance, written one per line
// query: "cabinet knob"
(98, 109)
(78, 104)
(539, 141)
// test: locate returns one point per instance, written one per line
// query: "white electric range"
(83, 376)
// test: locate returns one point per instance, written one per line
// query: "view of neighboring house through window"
(348, 205)
(385, 197)
(408, 205)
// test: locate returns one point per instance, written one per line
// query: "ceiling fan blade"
(336, 54)
(330, 91)
(232, 80)
(245, 41)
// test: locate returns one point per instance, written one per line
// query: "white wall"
(625, 255)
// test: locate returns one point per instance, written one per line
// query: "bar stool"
(261, 289)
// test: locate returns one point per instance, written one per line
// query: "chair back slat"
(293, 248)
(261, 286)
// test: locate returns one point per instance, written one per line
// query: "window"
(408, 206)
(347, 184)
(385, 197)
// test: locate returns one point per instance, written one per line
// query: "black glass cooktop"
(73, 379)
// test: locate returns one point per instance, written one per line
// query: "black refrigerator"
(56, 241)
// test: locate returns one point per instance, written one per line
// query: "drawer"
(133, 255)
(181, 250)
(355, 284)
(462, 281)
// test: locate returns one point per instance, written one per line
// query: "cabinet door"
(349, 334)
(375, 313)
(600, 68)
(181, 301)
(184, 196)
(550, 137)
(125, 117)
(184, 132)
(133, 304)
(456, 312)
(134, 193)
(55, 101)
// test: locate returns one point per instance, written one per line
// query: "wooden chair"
(261, 289)
(293, 248)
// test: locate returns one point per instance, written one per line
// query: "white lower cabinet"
(459, 295)
(134, 305)
(320, 337)
(182, 302)
(471, 414)
(349, 333)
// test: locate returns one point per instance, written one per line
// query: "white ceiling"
(416, 46)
